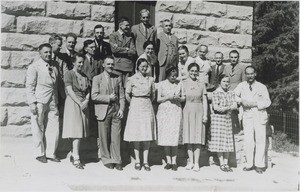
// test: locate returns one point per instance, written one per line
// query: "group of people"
(109, 83)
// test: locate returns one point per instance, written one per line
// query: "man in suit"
(216, 70)
(42, 84)
(144, 32)
(108, 95)
(254, 98)
(122, 46)
(102, 48)
(168, 49)
(236, 74)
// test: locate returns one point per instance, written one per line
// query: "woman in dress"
(184, 61)
(169, 116)
(141, 125)
(194, 116)
(223, 101)
(76, 114)
(150, 57)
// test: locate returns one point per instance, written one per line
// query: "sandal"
(228, 168)
(146, 167)
(77, 164)
(223, 168)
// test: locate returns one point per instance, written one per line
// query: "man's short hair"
(234, 51)
(98, 26)
(74, 57)
(45, 45)
(108, 57)
(122, 19)
(71, 35)
(202, 45)
(219, 52)
(144, 11)
(252, 67)
(54, 37)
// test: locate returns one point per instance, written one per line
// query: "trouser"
(110, 137)
(162, 73)
(45, 129)
(236, 128)
(254, 142)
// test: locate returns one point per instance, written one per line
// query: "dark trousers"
(110, 137)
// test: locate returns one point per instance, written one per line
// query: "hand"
(245, 103)
(84, 105)
(204, 119)
(232, 107)
(113, 97)
(33, 108)
(120, 114)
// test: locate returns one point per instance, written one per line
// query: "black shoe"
(259, 170)
(54, 159)
(119, 167)
(248, 169)
(109, 166)
(146, 167)
(42, 159)
(168, 166)
(174, 167)
(138, 166)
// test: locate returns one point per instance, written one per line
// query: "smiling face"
(70, 43)
(218, 58)
(202, 52)
(225, 83)
(143, 68)
(108, 65)
(183, 55)
(172, 77)
(45, 54)
(78, 63)
(145, 18)
(125, 27)
(90, 49)
(149, 50)
(193, 73)
(250, 75)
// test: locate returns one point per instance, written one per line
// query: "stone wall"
(27, 24)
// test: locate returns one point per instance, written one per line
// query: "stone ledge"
(16, 131)
(103, 13)
(5, 59)
(197, 37)
(18, 115)
(189, 21)
(173, 6)
(47, 25)
(246, 27)
(223, 25)
(13, 78)
(21, 59)
(3, 116)
(101, 2)
(8, 23)
(239, 12)
(88, 28)
(22, 42)
(13, 97)
(24, 8)
(181, 34)
(235, 40)
(68, 10)
(208, 8)
(160, 16)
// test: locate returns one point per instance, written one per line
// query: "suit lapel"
(142, 30)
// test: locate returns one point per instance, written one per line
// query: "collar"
(254, 82)
(140, 74)
(120, 32)
(220, 89)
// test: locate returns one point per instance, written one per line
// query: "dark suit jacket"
(168, 50)
(214, 77)
(138, 32)
(100, 94)
(105, 50)
(123, 58)
(91, 70)
(237, 76)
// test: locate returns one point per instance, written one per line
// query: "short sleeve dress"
(169, 115)
(221, 125)
(75, 122)
(141, 123)
(193, 128)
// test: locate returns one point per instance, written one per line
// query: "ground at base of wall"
(20, 171)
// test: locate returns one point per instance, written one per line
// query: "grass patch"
(281, 143)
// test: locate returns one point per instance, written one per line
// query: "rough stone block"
(181, 34)
(18, 115)
(13, 78)
(192, 49)
(16, 131)
(46, 25)
(189, 21)
(16, 41)
(21, 59)
(239, 12)
(208, 8)
(79, 44)
(246, 55)
(68, 10)
(24, 8)
(246, 27)
(102, 2)
(3, 116)
(235, 40)
(103, 13)
(13, 97)
(88, 28)
(5, 59)
(223, 25)
(160, 16)
(197, 37)
(8, 23)
(174, 6)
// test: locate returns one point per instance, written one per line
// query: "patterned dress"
(169, 115)
(141, 124)
(193, 128)
(221, 126)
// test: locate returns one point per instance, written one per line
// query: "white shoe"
(196, 168)
(189, 166)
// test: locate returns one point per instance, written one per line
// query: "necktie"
(232, 68)
(218, 69)
(250, 87)
(91, 61)
(146, 32)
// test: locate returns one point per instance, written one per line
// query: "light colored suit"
(42, 89)
(140, 37)
(106, 111)
(236, 76)
(167, 53)
(254, 121)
